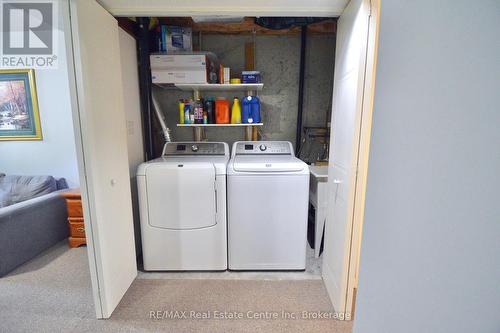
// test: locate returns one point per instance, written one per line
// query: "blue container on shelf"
(246, 110)
(255, 106)
(250, 77)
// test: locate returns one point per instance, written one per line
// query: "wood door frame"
(363, 155)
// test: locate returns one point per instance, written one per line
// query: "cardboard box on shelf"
(250, 77)
(174, 39)
(183, 68)
(179, 76)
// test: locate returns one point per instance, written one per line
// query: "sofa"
(32, 217)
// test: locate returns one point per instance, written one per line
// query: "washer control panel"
(263, 147)
(194, 148)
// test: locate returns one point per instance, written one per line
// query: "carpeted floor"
(52, 294)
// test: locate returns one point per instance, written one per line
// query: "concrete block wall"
(277, 58)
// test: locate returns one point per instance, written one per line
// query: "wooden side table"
(75, 218)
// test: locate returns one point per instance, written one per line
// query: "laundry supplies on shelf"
(250, 77)
(246, 110)
(236, 112)
(186, 111)
(181, 111)
(192, 68)
(251, 110)
(210, 110)
(222, 114)
(198, 111)
(256, 109)
(187, 114)
(174, 39)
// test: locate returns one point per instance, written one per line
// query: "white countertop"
(320, 172)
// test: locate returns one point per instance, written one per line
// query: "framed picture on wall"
(19, 114)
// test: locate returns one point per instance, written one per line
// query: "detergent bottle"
(222, 111)
(246, 111)
(198, 112)
(191, 112)
(181, 111)
(210, 109)
(255, 109)
(187, 112)
(236, 112)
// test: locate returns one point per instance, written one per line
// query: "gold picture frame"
(19, 112)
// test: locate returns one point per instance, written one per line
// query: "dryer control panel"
(194, 148)
(263, 148)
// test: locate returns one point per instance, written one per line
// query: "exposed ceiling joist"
(247, 26)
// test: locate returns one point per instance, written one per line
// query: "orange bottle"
(222, 114)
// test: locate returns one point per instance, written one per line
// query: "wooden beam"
(249, 56)
(129, 26)
(325, 27)
(248, 26)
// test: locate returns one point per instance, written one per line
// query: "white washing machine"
(268, 195)
(182, 198)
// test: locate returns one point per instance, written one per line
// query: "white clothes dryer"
(182, 199)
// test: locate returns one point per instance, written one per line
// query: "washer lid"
(268, 164)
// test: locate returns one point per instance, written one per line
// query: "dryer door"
(181, 196)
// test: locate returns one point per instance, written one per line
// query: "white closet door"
(349, 80)
(102, 150)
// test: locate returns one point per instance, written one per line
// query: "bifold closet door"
(347, 141)
(98, 100)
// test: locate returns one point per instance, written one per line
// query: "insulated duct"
(161, 119)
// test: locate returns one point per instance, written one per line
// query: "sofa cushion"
(61, 183)
(14, 189)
